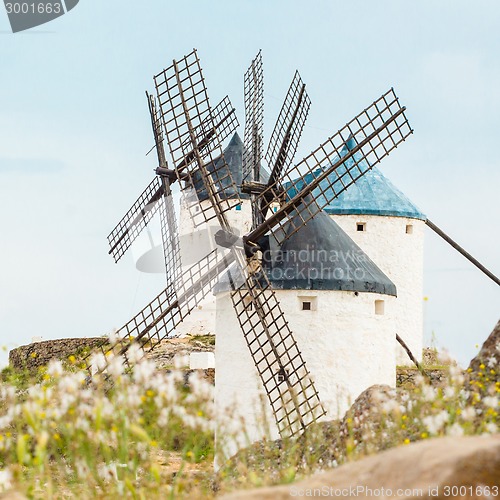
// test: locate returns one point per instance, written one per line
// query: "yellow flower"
(72, 359)
(404, 417)
(469, 370)
(424, 435)
(154, 444)
(33, 354)
(200, 413)
(150, 393)
(406, 441)
(189, 454)
(482, 366)
(56, 436)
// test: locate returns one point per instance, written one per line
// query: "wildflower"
(490, 401)
(107, 472)
(492, 362)
(114, 337)
(98, 362)
(55, 368)
(428, 393)
(435, 423)
(144, 371)
(5, 479)
(449, 392)
(456, 430)
(116, 366)
(491, 428)
(468, 413)
(134, 354)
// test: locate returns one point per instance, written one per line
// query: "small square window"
(379, 307)
(283, 375)
(361, 227)
(409, 228)
(307, 303)
(238, 207)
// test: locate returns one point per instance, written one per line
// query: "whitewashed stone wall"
(400, 255)
(347, 348)
(197, 243)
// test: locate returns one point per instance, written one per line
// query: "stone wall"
(37, 354)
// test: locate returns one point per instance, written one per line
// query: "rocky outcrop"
(31, 357)
(167, 354)
(428, 469)
(489, 355)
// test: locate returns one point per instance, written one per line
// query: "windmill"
(292, 197)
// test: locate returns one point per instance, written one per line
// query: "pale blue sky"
(74, 133)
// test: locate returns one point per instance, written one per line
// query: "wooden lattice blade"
(290, 390)
(135, 220)
(158, 320)
(254, 119)
(288, 130)
(186, 117)
(329, 170)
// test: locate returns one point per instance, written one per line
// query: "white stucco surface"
(196, 243)
(346, 346)
(400, 256)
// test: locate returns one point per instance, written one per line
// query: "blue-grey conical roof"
(233, 155)
(372, 194)
(320, 256)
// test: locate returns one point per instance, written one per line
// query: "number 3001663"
(33, 8)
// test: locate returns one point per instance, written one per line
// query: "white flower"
(116, 366)
(491, 401)
(491, 428)
(428, 393)
(435, 423)
(107, 472)
(449, 392)
(163, 417)
(5, 479)
(114, 337)
(455, 430)
(55, 368)
(82, 469)
(134, 354)
(181, 361)
(492, 362)
(143, 372)
(468, 413)
(98, 362)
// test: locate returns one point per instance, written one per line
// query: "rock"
(31, 357)
(420, 470)
(13, 495)
(168, 351)
(489, 355)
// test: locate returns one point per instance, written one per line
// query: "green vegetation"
(142, 433)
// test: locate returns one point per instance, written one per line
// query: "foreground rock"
(420, 470)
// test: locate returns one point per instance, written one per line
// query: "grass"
(147, 434)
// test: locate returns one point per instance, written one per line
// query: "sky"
(75, 131)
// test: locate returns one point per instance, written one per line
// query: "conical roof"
(372, 194)
(320, 256)
(233, 155)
